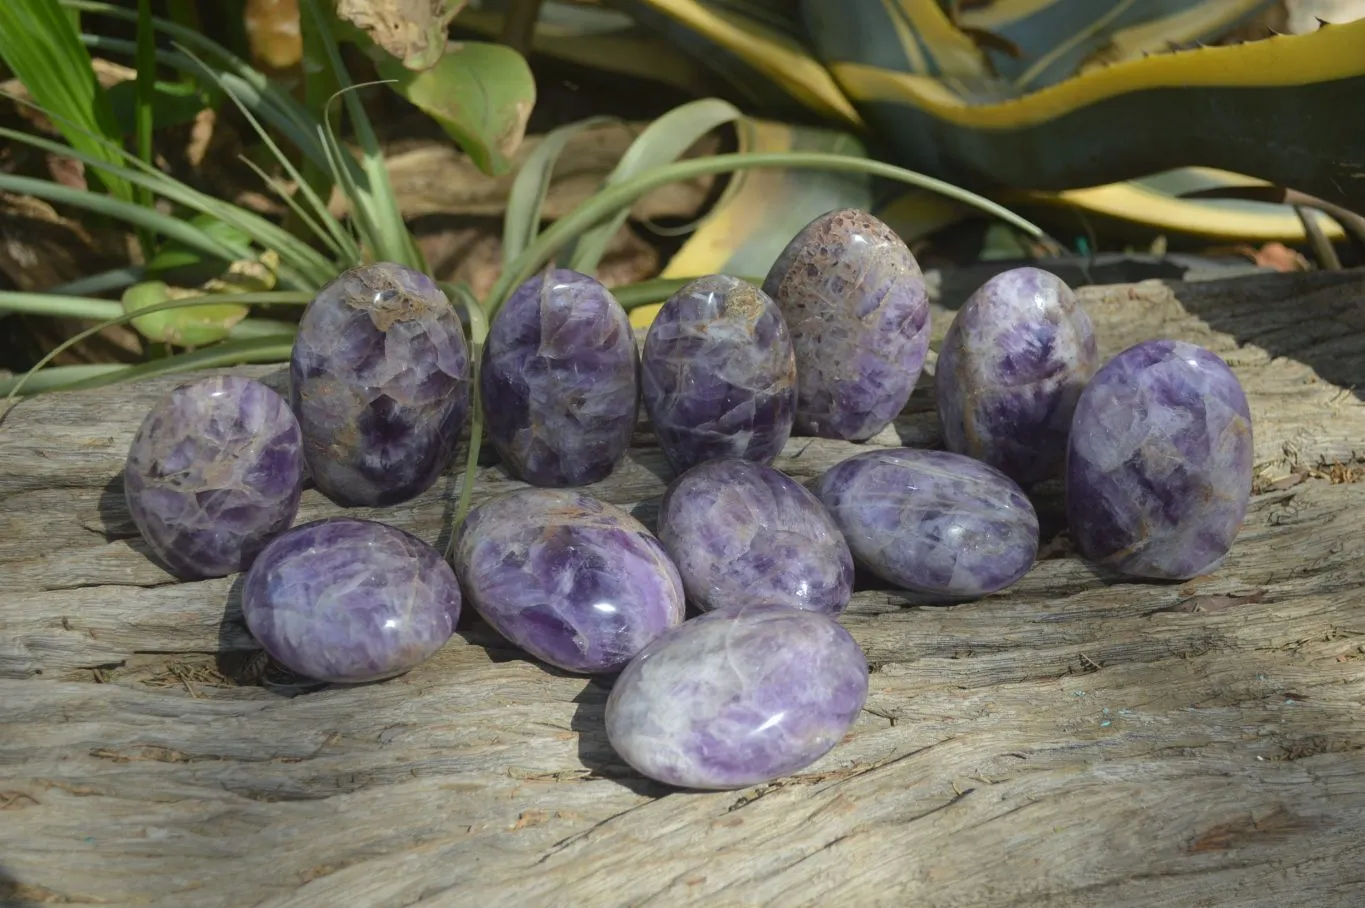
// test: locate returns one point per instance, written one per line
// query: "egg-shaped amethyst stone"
(855, 301)
(1009, 372)
(348, 601)
(936, 523)
(742, 533)
(736, 697)
(380, 384)
(558, 378)
(718, 374)
(1158, 472)
(213, 474)
(574, 581)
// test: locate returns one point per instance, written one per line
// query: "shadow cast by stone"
(14, 894)
(594, 750)
(241, 659)
(115, 521)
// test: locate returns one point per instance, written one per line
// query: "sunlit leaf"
(480, 94)
(194, 327)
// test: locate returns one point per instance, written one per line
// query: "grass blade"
(59, 377)
(57, 305)
(273, 297)
(526, 199)
(662, 142)
(270, 349)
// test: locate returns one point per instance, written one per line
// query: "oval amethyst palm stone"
(742, 533)
(380, 384)
(718, 374)
(1159, 466)
(558, 379)
(575, 582)
(737, 697)
(855, 301)
(213, 474)
(349, 601)
(1010, 370)
(932, 522)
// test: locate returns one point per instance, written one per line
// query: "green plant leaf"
(665, 140)
(526, 199)
(480, 94)
(193, 327)
(179, 263)
(413, 31)
(173, 104)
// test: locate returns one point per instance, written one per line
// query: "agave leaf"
(413, 31)
(196, 327)
(480, 94)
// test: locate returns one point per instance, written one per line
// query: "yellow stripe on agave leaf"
(1201, 22)
(1001, 13)
(1069, 45)
(1325, 55)
(1150, 203)
(954, 53)
(915, 60)
(747, 230)
(779, 59)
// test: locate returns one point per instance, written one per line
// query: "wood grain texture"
(1074, 740)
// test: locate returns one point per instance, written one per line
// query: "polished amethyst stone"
(573, 581)
(743, 533)
(736, 697)
(347, 601)
(380, 383)
(1010, 369)
(855, 301)
(1158, 471)
(213, 474)
(718, 374)
(558, 378)
(932, 522)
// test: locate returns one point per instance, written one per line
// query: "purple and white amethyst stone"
(718, 374)
(213, 474)
(349, 601)
(743, 533)
(380, 384)
(573, 581)
(559, 380)
(737, 697)
(856, 304)
(1009, 372)
(1159, 466)
(936, 523)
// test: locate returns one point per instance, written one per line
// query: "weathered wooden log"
(1075, 740)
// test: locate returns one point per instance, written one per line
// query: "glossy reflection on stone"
(718, 374)
(348, 601)
(213, 474)
(575, 582)
(941, 524)
(1010, 370)
(742, 533)
(1159, 466)
(558, 378)
(855, 301)
(380, 383)
(738, 697)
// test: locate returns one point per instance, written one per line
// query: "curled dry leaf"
(413, 31)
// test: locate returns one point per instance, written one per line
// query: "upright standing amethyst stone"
(558, 378)
(1158, 472)
(213, 474)
(737, 697)
(855, 301)
(380, 384)
(573, 581)
(933, 522)
(743, 533)
(1010, 370)
(349, 601)
(719, 375)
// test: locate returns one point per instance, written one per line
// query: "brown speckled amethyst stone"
(855, 301)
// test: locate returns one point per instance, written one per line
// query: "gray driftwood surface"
(1075, 740)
